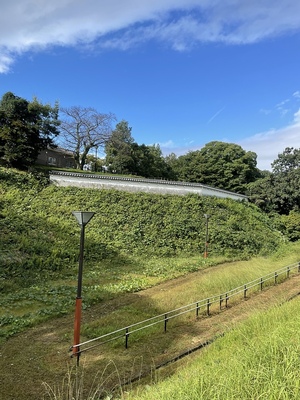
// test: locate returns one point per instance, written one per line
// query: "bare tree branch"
(83, 129)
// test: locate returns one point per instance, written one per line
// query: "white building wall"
(139, 185)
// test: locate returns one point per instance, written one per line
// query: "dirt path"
(41, 354)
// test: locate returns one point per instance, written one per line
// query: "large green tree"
(278, 191)
(286, 181)
(150, 163)
(125, 156)
(287, 161)
(118, 149)
(26, 128)
(219, 164)
(262, 192)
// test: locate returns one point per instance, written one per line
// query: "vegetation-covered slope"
(38, 230)
(39, 243)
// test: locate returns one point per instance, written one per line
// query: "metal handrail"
(166, 316)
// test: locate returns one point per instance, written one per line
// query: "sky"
(183, 73)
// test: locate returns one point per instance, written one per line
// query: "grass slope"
(257, 360)
(135, 241)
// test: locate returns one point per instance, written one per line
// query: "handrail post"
(126, 338)
(166, 320)
(275, 278)
(287, 271)
(207, 307)
(226, 300)
(197, 309)
(221, 301)
(245, 291)
(261, 283)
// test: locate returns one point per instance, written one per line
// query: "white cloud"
(265, 111)
(170, 146)
(297, 94)
(167, 145)
(6, 61)
(35, 24)
(282, 107)
(267, 145)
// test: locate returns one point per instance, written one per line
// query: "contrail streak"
(215, 115)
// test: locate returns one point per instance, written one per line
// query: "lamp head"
(83, 217)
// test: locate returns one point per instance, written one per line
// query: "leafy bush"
(290, 225)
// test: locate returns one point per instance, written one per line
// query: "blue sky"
(181, 72)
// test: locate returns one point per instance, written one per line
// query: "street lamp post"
(83, 219)
(206, 216)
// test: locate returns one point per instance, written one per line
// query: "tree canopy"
(219, 164)
(287, 161)
(278, 191)
(118, 149)
(26, 128)
(149, 162)
(125, 156)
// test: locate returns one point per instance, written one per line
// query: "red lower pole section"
(76, 350)
(206, 250)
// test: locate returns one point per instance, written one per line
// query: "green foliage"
(38, 227)
(25, 129)
(290, 225)
(150, 163)
(287, 161)
(125, 156)
(118, 151)
(279, 191)
(223, 165)
(43, 301)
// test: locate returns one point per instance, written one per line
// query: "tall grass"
(73, 387)
(258, 360)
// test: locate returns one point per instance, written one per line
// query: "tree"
(286, 194)
(83, 129)
(125, 156)
(278, 191)
(219, 164)
(286, 177)
(26, 128)
(158, 166)
(149, 162)
(118, 149)
(262, 192)
(287, 161)
(173, 165)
